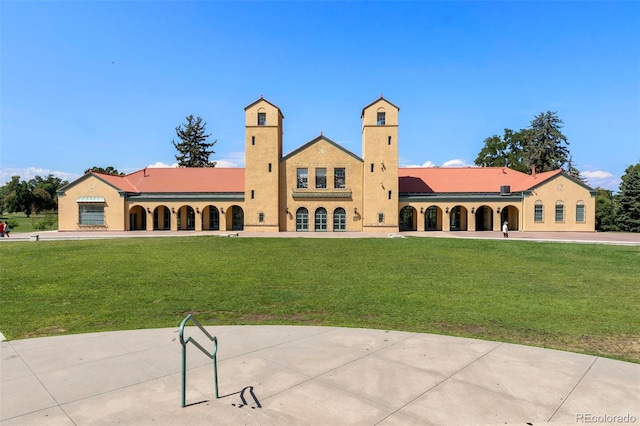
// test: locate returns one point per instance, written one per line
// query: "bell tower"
(263, 151)
(380, 171)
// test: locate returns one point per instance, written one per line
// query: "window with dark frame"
(303, 178)
(380, 217)
(253, 193)
(580, 208)
(260, 217)
(538, 212)
(262, 119)
(339, 220)
(321, 177)
(559, 211)
(253, 140)
(381, 118)
(339, 178)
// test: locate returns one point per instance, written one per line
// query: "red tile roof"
(466, 179)
(411, 180)
(179, 180)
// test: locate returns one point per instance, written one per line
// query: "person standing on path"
(505, 229)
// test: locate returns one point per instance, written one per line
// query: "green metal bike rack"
(211, 355)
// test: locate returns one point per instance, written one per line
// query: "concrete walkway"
(285, 375)
(566, 237)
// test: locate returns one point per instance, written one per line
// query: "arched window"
(381, 117)
(559, 211)
(214, 219)
(302, 219)
(339, 220)
(580, 216)
(538, 211)
(321, 220)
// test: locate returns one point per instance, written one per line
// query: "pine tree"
(628, 200)
(193, 149)
(546, 147)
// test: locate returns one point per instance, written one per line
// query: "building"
(322, 187)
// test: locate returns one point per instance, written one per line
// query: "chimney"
(533, 171)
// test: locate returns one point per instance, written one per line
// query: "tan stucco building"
(322, 187)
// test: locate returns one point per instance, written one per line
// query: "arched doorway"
(484, 218)
(211, 218)
(320, 222)
(161, 218)
(339, 220)
(407, 219)
(510, 214)
(186, 218)
(137, 218)
(237, 218)
(458, 219)
(302, 219)
(432, 220)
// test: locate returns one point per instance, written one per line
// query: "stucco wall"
(321, 154)
(559, 188)
(90, 186)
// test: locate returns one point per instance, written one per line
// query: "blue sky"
(105, 83)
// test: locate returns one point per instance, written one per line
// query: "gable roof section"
(263, 99)
(381, 98)
(467, 179)
(316, 140)
(117, 182)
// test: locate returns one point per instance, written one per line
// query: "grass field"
(576, 297)
(25, 224)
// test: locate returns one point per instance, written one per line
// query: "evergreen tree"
(628, 200)
(573, 171)
(546, 146)
(193, 149)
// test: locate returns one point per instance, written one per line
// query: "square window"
(339, 177)
(262, 119)
(380, 217)
(303, 178)
(321, 177)
(260, 217)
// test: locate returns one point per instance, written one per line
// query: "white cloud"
(29, 173)
(598, 174)
(161, 165)
(601, 179)
(428, 164)
(458, 162)
(232, 159)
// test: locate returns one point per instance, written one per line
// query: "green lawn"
(577, 297)
(26, 224)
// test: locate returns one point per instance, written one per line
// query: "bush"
(47, 222)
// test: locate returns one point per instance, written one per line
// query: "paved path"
(574, 237)
(285, 375)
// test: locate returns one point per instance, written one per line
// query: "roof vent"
(505, 190)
